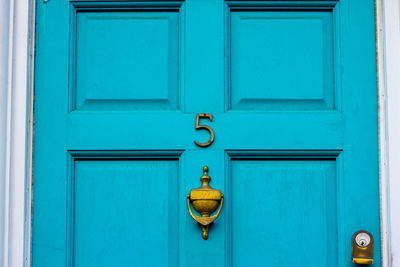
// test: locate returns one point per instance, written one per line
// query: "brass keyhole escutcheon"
(363, 248)
(205, 200)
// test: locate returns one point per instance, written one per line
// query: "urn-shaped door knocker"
(205, 200)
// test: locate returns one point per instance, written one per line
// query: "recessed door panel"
(288, 215)
(125, 59)
(282, 60)
(118, 205)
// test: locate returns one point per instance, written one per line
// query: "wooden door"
(291, 86)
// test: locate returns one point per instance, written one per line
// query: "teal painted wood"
(292, 89)
(288, 195)
(304, 88)
(105, 211)
(133, 85)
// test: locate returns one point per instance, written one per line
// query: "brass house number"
(208, 128)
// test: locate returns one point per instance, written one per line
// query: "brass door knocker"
(205, 200)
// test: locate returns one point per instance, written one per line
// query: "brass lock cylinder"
(362, 248)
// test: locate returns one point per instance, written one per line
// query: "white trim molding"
(382, 118)
(391, 20)
(14, 106)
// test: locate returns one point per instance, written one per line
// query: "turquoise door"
(291, 86)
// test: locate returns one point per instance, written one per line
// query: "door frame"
(16, 127)
(17, 20)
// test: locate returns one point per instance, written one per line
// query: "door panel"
(109, 80)
(289, 202)
(292, 89)
(124, 203)
(282, 43)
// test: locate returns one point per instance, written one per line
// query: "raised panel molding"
(256, 49)
(285, 179)
(124, 56)
(137, 189)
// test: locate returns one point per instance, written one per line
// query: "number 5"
(208, 128)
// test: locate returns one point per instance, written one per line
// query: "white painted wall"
(392, 69)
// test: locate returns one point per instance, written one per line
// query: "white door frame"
(383, 144)
(16, 57)
(17, 19)
(390, 55)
